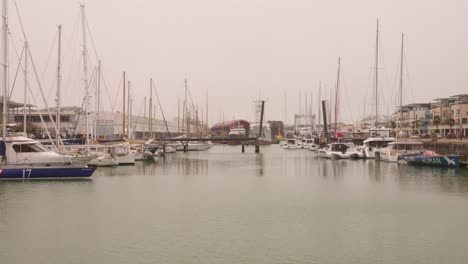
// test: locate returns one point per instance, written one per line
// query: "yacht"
(239, 131)
(340, 151)
(194, 146)
(378, 138)
(290, 144)
(120, 153)
(25, 158)
(314, 146)
(103, 161)
(298, 143)
(21, 150)
(395, 150)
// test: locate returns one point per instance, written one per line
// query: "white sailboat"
(394, 151)
(340, 151)
(378, 137)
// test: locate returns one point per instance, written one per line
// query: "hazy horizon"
(240, 51)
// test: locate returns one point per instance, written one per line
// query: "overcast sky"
(243, 50)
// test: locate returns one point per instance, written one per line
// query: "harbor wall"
(448, 147)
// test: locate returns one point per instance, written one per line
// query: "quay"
(447, 146)
(241, 140)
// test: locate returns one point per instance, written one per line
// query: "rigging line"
(72, 58)
(48, 57)
(44, 99)
(107, 89)
(160, 107)
(45, 69)
(136, 122)
(350, 112)
(75, 81)
(38, 81)
(20, 59)
(190, 95)
(395, 90)
(408, 76)
(383, 68)
(82, 104)
(371, 74)
(91, 37)
(71, 39)
(116, 94)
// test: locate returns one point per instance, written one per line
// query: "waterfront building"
(452, 113)
(413, 118)
(109, 125)
(447, 117)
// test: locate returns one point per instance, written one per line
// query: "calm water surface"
(222, 206)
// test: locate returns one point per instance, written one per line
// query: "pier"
(459, 147)
(240, 140)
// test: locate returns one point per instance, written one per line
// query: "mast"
(186, 111)
(300, 100)
(98, 99)
(285, 109)
(337, 97)
(129, 110)
(25, 85)
(150, 109)
(305, 107)
(59, 79)
(123, 107)
(401, 77)
(197, 131)
(85, 72)
(5, 65)
(377, 75)
(312, 123)
(319, 101)
(206, 119)
(178, 115)
(144, 117)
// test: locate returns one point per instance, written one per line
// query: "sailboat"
(24, 158)
(395, 150)
(339, 150)
(379, 137)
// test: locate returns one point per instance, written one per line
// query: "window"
(22, 148)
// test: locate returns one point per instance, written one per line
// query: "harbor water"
(222, 206)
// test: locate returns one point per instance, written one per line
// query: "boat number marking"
(27, 173)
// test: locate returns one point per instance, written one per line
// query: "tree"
(417, 123)
(436, 122)
(451, 123)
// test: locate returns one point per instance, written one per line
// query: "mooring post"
(325, 125)
(185, 147)
(164, 148)
(260, 130)
(243, 148)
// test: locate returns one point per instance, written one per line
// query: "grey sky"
(241, 50)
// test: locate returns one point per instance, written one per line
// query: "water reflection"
(432, 178)
(190, 165)
(222, 205)
(260, 161)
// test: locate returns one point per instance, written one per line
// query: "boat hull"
(444, 161)
(46, 172)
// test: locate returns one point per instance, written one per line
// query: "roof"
(460, 95)
(444, 98)
(13, 104)
(230, 124)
